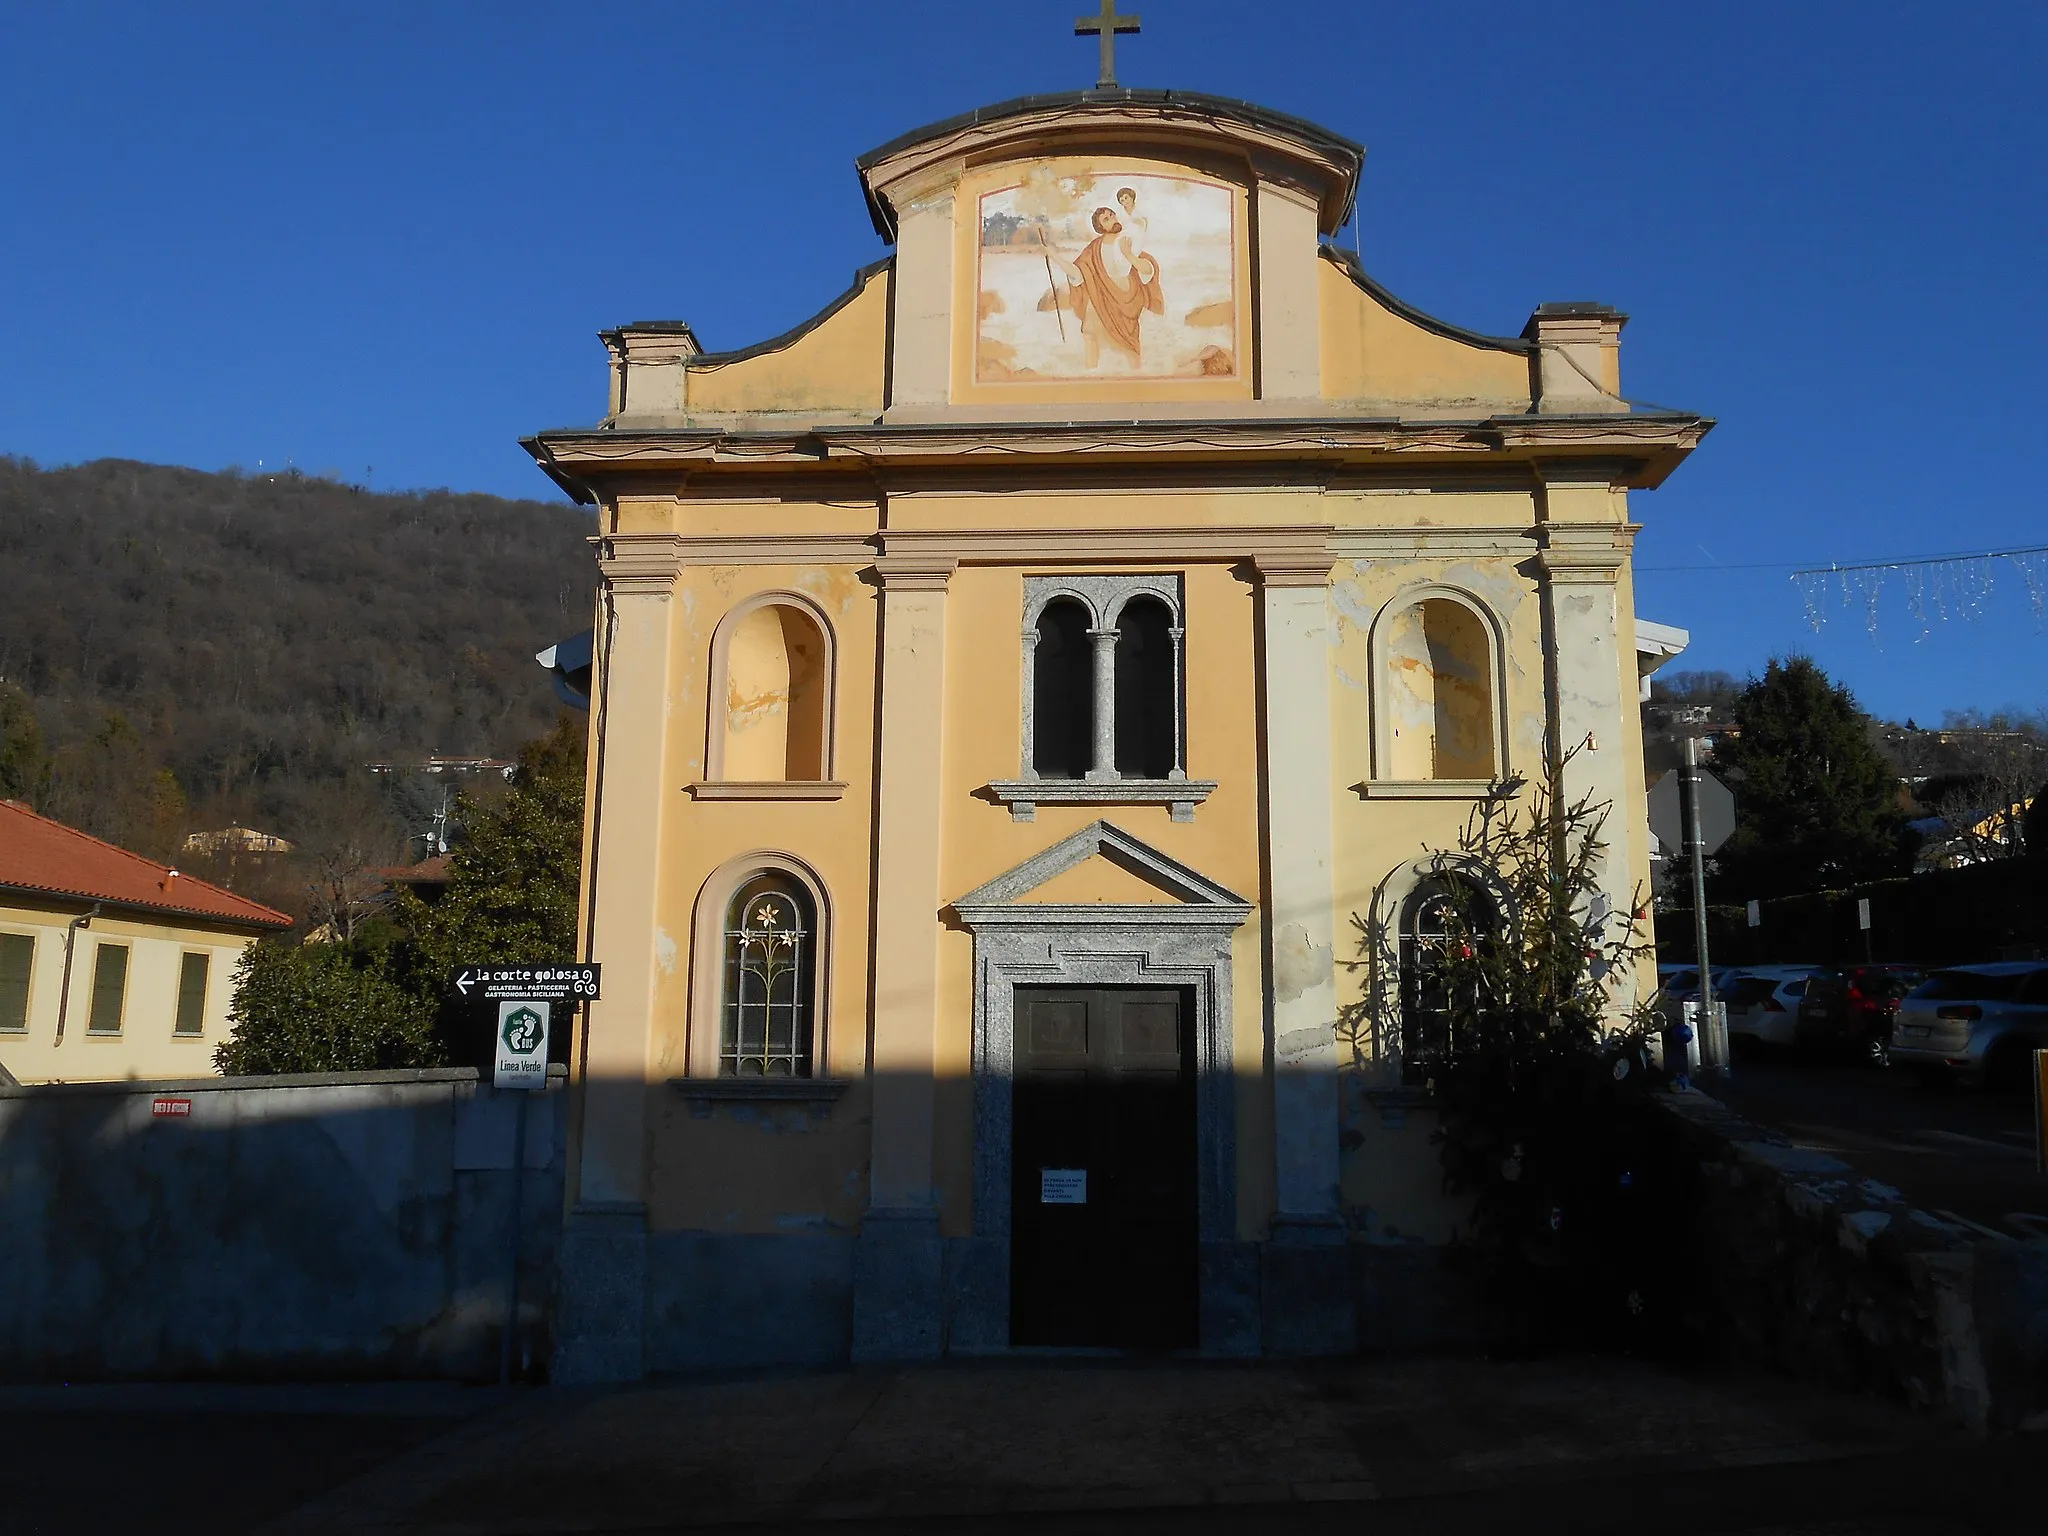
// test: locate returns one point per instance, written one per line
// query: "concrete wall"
(1810, 1268)
(326, 1225)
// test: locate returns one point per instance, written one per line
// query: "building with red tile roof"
(111, 965)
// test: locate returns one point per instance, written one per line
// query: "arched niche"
(1439, 695)
(771, 702)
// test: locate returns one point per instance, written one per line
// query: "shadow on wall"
(321, 1226)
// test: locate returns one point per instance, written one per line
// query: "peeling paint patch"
(1349, 598)
(1299, 966)
(664, 951)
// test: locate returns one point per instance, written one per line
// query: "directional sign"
(1667, 812)
(524, 983)
(522, 1053)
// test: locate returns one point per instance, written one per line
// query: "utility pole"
(1713, 1056)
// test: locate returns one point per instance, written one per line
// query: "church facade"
(1027, 701)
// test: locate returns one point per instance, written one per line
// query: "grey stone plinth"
(1410, 1301)
(977, 1295)
(720, 1300)
(1230, 1299)
(601, 1298)
(1306, 1301)
(898, 1287)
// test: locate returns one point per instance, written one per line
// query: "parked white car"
(1763, 1002)
(1977, 1024)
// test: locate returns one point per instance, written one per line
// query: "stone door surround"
(1183, 941)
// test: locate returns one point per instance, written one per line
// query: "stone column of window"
(603, 1256)
(1105, 704)
(898, 1286)
(1030, 729)
(1180, 705)
(1305, 1283)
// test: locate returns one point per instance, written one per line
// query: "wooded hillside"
(262, 638)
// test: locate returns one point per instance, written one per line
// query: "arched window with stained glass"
(771, 935)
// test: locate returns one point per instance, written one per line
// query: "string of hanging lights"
(1936, 587)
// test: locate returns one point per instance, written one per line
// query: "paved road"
(1433, 1448)
(1960, 1153)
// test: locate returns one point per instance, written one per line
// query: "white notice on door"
(1063, 1186)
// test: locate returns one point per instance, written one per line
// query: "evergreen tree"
(513, 878)
(1816, 805)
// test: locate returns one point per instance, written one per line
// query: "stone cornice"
(1637, 451)
(1093, 546)
(1285, 554)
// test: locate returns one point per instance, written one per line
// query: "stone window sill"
(767, 789)
(761, 1090)
(1424, 789)
(1025, 796)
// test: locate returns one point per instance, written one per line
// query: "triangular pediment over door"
(1165, 890)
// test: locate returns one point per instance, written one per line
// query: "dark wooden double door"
(1103, 1208)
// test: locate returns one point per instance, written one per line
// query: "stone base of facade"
(1307, 1299)
(899, 1287)
(632, 1305)
(600, 1330)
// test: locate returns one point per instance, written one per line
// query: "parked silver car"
(1763, 1002)
(1977, 1024)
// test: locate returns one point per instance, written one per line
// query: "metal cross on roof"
(1106, 26)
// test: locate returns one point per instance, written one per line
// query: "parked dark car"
(1977, 1024)
(1849, 1010)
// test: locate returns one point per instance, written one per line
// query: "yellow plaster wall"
(146, 1046)
(710, 1165)
(984, 671)
(840, 365)
(709, 1169)
(1371, 353)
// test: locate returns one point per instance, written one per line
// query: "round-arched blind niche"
(775, 697)
(1441, 707)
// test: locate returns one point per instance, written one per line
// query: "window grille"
(770, 956)
(1437, 910)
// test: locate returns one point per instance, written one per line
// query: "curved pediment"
(1176, 125)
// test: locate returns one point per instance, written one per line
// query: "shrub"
(323, 1008)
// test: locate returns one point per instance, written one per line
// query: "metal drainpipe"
(64, 988)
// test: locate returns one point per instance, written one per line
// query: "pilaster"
(920, 369)
(1307, 1303)
(1589, 696)
(898, 1263)
(603, 1255)
(1289, 324)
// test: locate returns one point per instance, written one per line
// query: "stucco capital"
(1584, 556)
(920, 572)
(640, 564)
(1294, 570)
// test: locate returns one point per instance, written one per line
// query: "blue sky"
(377, 239)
